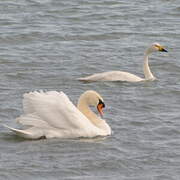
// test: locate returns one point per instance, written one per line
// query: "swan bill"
(163, 50)
(100, 107)
(160, 48)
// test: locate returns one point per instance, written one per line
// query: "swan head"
(155, 47)
(92, 98)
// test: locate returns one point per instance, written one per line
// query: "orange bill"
(100, 107)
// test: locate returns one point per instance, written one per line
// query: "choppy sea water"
(48, 44)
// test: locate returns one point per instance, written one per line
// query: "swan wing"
(54, 110)
(32, 120)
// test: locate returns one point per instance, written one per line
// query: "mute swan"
(52, 115)
(125, 76)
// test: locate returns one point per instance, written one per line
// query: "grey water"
(48, 44)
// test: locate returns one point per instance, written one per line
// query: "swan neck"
(147, 72)
(83, 106)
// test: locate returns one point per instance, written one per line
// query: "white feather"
(52, 114)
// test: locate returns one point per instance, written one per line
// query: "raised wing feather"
(32, 120)
(54, 109)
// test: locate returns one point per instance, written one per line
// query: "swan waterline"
(126, 76)
(52, 115)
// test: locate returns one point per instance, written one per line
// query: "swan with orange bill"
(52, 115)
(126, 76)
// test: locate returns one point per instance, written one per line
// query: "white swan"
(125, 76)
(52, 115)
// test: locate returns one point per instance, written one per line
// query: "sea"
(49, 44)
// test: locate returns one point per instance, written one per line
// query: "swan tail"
(91, 78)
(31, 133)
(83, 79)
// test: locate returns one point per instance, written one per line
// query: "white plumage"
(126, 76)
(51, 114)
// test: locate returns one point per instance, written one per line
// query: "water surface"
(48, 44)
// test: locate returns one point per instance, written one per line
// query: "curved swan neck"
(84, 108)
(147, 72)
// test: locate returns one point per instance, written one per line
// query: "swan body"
(112, 76)
(125, 76)
(52, 115)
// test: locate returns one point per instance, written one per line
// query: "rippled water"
(48, 44)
